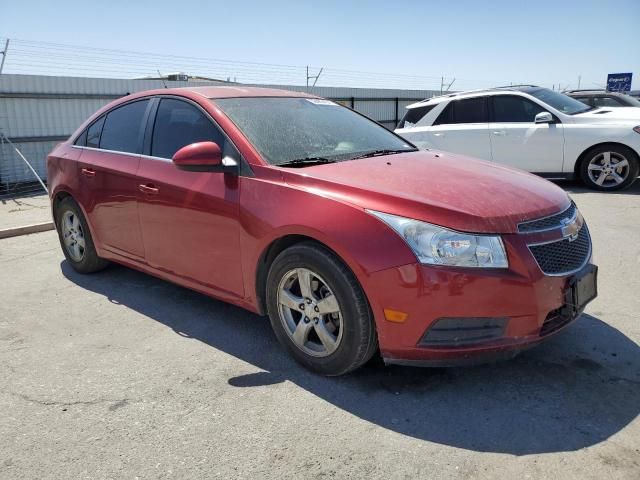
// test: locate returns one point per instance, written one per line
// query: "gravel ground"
(120, 375)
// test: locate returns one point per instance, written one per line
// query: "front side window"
(414, 116)
(178, 124)
(122, 131)
(469, 110)
(289, 129)
(514, 109)
(94, 132)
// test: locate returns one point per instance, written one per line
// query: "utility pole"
(4, 54)
(579, 78)
(442, 90)
(315, 77)
(449, 86)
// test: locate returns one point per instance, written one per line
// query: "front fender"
(270, 211)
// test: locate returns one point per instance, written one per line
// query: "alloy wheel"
(73, 236)
(309, 312)
(608, 169)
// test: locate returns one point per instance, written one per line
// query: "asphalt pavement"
(121, 375)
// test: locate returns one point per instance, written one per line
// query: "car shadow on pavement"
(573, 186)
(574, 391)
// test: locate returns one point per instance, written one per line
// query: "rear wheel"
(609, 167)
(318, 310)
(75, 238)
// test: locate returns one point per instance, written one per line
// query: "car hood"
(609, 115)
(449, 190)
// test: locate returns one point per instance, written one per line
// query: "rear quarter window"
(82, 139)
(414, 116)
(94, 132)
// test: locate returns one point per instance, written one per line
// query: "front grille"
(563, 256)
(547, 223)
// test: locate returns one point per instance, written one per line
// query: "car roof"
(475, 93)
(216, 92)
(592, 92)
(241, 91)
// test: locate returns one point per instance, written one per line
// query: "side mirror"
(202, 157)
(544, 117)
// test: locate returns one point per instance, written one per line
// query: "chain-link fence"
(20, 176)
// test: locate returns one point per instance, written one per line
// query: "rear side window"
(584, 100)
(514, 109)
(469, 110)
(179, 124)
(414, 115)
(94, 132)
(122, 129)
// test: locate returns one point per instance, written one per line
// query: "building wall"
(37, 111)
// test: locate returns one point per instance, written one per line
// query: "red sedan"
(348, 237)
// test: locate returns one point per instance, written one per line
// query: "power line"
(50, 58)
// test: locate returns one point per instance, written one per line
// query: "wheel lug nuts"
(301, 306)
(316, 309)
(306, 319)
(316, 320)
(308, 301)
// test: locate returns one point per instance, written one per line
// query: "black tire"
(90, 261)
(359, 340)
(620, 150)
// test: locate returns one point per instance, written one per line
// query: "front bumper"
(505, 311)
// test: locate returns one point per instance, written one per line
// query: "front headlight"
(435, 245)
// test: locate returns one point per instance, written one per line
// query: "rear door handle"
(149, 189)
(499, 133)
(438, 134)
(88, 172)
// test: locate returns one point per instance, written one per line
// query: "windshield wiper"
(305, 161)
(382, 151)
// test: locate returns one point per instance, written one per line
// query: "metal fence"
(36, 112)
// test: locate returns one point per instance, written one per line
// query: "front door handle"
(438, 134)
(149, 189)
(499, 133)
(88, 172)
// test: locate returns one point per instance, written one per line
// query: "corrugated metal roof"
(35, 115)
(15, 83)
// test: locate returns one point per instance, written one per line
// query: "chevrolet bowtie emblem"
(571, 227)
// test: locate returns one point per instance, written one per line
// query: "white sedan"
(532, 128)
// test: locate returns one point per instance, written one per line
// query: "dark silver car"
(602, 98)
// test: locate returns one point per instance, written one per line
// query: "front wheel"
(318, 310)
(609, 167)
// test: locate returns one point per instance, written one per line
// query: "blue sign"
(619, 82)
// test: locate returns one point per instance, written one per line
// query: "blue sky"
(479, 43)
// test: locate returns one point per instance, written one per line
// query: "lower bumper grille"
(458, 332)
(555, 321)
(564, 256)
